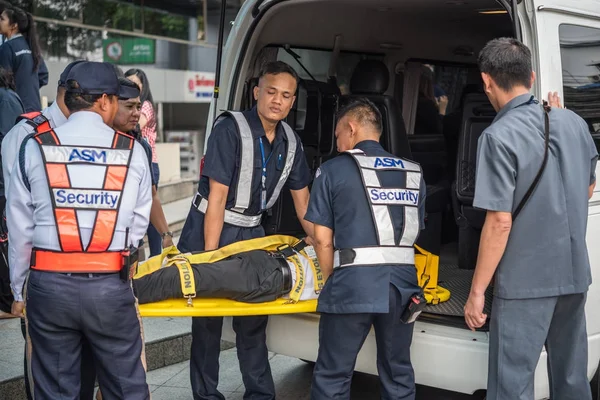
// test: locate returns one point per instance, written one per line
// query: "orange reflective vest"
(37, 120)
(66, 201)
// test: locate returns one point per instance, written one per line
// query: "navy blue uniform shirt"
(16, 56)
(338, 201)
(222, 162)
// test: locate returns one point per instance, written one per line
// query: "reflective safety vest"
(235, 215)
(66, 200)
(40, 123)
(37, 120)
(380, 200)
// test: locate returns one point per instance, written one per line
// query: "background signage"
(129, 50)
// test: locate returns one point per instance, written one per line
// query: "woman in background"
(147, 125)
(21, 55)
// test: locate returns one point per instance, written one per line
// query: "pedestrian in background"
(148, 125)
(21, 55)
(10, 109)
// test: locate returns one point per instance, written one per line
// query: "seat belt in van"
(535, 182)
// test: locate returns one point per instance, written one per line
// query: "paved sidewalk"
(291, 376)
(12, 343)
(292, 381)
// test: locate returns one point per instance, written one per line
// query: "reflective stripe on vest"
(243, 192)
(231, 217)
(380, 199)
(374, 256)
(66, 200)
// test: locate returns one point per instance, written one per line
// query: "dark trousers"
(154, 238)
(341, 337)
(88, 369)
(518, 331)
(64, 310)
(252, 355)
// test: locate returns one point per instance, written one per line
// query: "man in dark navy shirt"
(370, 273)
(250, 156)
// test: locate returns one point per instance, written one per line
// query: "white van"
(339, 47)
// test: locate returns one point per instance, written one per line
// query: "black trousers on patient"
(251, 277)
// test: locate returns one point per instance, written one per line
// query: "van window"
(580, 56)
(317, 63)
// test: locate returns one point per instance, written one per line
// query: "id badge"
(263, 199)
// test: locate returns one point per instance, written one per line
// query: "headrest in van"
(370, 77)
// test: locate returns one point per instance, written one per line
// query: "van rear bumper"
(443, 357)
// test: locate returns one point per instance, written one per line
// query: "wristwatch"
(168, 233)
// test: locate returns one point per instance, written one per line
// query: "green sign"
(129, 51)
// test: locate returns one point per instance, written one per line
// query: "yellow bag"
(428, 265)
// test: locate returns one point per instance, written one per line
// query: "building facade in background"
(174, 42)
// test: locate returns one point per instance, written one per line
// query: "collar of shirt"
(55, 115)
(90, 118)
(258, 130)
(514, 103)
(15, 36)
(366, 145)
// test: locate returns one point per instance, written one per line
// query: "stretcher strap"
(188, 283)
(311, 256)
(300, 280)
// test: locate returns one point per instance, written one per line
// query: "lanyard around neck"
(263, 180)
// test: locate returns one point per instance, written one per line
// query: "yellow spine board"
(426, 263)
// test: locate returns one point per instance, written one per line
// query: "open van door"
(568, 42)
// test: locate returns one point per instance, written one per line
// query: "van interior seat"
(478, 114)
(370, 80)
(452, 127)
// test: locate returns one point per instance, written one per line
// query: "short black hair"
(276, 68)
(79, 102)
(364, 111)
(507, 61)
(7, 80)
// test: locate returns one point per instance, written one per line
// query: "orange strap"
(80, 262)
(37, 120)
(66, 218)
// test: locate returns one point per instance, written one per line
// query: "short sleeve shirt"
(546, 254)
(338, 201)
(222, 161)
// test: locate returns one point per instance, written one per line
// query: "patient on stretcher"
(253, 276)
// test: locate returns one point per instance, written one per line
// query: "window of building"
(580, 56)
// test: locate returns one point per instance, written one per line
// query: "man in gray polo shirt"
(540, 259)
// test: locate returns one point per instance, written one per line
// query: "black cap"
(99, 78)
(128, 83)
(62, 82)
